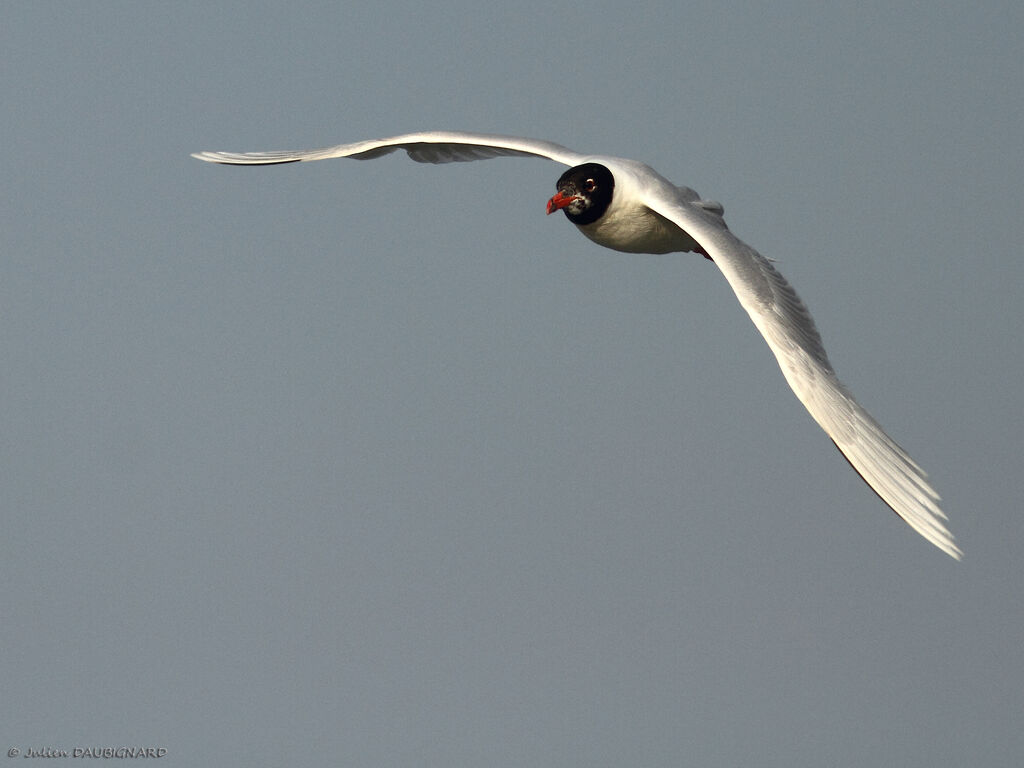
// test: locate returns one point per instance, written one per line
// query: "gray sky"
(373, 464)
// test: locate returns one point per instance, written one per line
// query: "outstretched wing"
(786, 325)
(426, 147)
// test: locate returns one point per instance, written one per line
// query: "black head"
(584, 193)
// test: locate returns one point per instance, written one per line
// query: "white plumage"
(649, 214)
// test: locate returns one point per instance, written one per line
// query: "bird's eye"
(589, 185)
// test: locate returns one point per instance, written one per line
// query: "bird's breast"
(638, 230)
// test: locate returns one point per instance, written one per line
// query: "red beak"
(559, 201)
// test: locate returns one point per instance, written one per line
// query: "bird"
(627, 206)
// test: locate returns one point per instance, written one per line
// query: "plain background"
(373, 464)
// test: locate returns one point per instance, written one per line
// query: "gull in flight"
(627, 206)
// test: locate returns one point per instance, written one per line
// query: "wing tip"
(231, 158)
(947, 544)
(927, 522)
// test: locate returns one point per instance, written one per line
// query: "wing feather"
(424, 147)
(787, 326)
